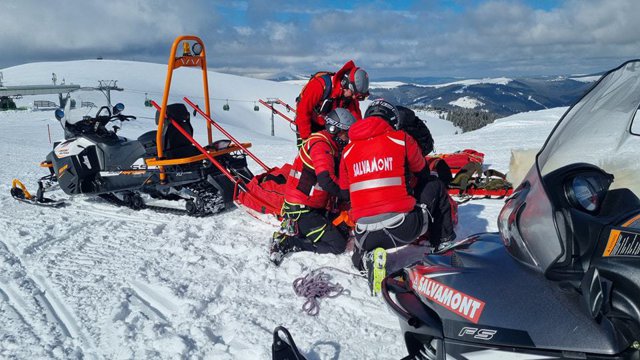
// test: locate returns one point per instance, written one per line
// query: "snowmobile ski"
(20, 193)
(284, 348)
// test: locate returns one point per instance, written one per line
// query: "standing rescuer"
(328, 91)
(374, 168)
(311, 184)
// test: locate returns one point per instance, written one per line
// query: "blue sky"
(260, 38)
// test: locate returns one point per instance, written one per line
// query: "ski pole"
(222, 130)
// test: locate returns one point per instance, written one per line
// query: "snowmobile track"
(117, 214)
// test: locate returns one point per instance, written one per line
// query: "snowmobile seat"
(177, 145)
(148, 141)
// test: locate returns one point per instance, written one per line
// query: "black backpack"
(414, 126)
(325, 104)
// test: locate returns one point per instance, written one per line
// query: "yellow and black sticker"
(62, 170)
(623, 242)
(133, 172)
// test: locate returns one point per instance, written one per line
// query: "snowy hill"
(96, 281)
(502, 96)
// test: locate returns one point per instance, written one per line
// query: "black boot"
(281, 245)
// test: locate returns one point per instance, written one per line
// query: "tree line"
(470, 119)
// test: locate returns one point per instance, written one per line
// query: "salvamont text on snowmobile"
(562, 277)
(166, 163)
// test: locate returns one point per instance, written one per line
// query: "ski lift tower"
(105, 87)
(271, 102)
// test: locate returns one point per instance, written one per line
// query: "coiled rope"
(315, 286)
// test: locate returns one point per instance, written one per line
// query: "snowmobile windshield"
(601, 129)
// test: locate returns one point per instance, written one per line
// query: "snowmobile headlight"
(59, 114)
(196, 48)
(583, 194)
(586, 191)
(118, 108)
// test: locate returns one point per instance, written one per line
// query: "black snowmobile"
(561, 279)
(167, 163)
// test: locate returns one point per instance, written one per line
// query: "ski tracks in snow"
(142, 285)
(36, 305)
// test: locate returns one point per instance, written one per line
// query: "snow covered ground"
(97, 281)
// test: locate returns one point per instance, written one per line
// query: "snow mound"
(467, 102)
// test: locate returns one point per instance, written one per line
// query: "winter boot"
(281, 245)
(375, 264)
(446, 243)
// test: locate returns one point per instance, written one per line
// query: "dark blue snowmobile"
(561, 280)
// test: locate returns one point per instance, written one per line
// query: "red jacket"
(317, 158)
(308, 117)
(374, 168)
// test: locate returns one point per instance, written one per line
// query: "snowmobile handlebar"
(115, 115)
(97, 124)
(124, 117)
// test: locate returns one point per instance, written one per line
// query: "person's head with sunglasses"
(355, 84)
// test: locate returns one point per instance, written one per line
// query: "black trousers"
(404, 234)
(316, 233)
(434, 195)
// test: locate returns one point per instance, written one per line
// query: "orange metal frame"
(175, 61)
(191, 60)
(187, 160)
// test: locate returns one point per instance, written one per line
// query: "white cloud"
(491, 38)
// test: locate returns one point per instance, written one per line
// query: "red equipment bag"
(459, 159)
(465, 175)
(265, 192)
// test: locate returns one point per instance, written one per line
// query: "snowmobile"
(167, 163)
(561, 278)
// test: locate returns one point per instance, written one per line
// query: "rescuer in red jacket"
(374, 168)
(327, 91)
(310, 185)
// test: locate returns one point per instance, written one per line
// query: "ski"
(47, 203)
(20, 193)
